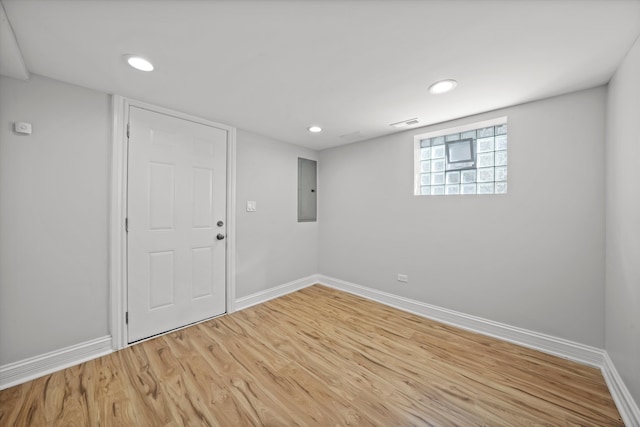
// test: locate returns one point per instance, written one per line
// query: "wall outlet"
(403, 278)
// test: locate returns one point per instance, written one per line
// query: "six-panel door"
(176, 198)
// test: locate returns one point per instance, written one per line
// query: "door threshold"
(175, 329)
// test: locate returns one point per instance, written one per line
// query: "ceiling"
(351, 66)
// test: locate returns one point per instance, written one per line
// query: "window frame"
(443, 132)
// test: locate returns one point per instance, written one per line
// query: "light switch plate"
(252, 206)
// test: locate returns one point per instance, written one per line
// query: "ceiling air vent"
(405, 123)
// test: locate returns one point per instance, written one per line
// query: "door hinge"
(126, 317)
(126, 225)
(128, 128)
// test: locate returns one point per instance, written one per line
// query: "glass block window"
(469, 159)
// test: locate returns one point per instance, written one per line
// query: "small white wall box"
(23, 128)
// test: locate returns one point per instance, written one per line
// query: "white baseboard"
(627, 407)
(560, 347)
(25, 370)
(28, 369)
(548, 344)
(275, 292)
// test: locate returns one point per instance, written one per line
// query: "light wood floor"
(317, 357)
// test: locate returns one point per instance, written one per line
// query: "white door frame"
(118, 239)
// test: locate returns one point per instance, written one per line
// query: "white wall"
(54, 193)
(533, 258)
(53, 217)
(272, 247)
(623, 221)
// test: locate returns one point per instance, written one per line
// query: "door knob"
(220, 236)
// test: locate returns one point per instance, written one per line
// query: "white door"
(176, 222)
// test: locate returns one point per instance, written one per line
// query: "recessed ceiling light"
(442, 86)
(314, 129)
(139, 63)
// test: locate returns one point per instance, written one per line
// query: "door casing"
(118, 210)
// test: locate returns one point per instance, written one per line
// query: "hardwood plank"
(317, 357)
